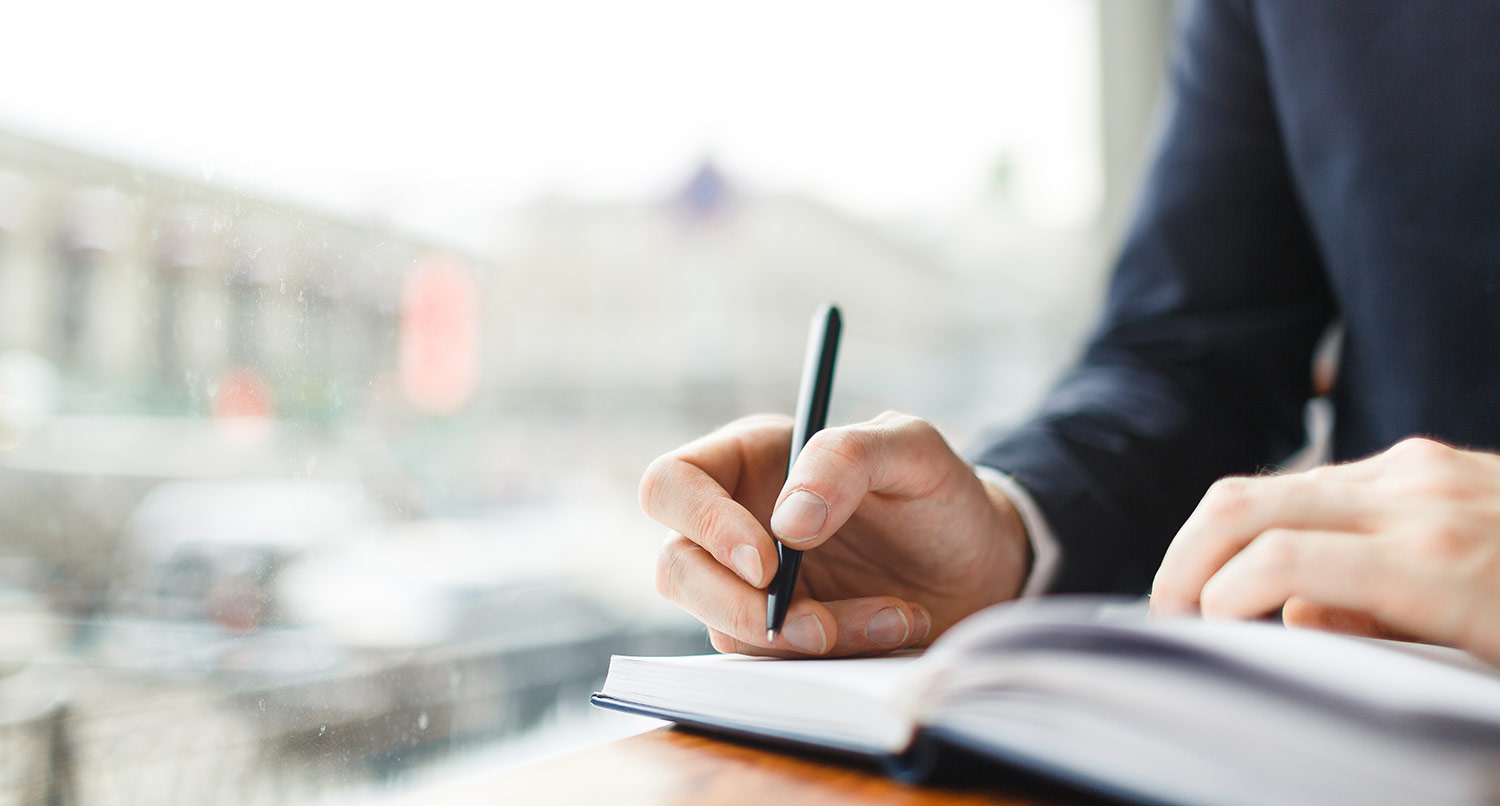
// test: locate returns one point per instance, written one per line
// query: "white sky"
(441, 114)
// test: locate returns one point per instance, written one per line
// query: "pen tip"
(770, 636)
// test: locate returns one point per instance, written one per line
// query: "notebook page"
(851, 703)
(1380, 675)
(1178, 734)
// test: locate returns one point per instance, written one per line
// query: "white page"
(1383, 676)
(849, 702)
(1221, 712)
(1178, 731)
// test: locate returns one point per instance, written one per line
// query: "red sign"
(242, 393)
(439, 358)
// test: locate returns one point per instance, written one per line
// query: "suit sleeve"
(1199, 366)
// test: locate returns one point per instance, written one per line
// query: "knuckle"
(919, 430)
(669, 566)
(1212, 599)
(714, 523)
(1227, 498)
(722, 643)
(1445, 543)
(1419, 449)
(655, 482)
(1172, 592)
(745, 622)
(1275, 550)
(707, 521)
(845, 444)
(905, 425)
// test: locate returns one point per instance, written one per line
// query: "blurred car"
(472, 629)
(212, 550)
(425, 583)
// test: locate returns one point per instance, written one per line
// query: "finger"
(736, 612)
(876, 624)
(1268, 572)
(868, 626)
(756, 441)
(892, 454)
(1236, 510)
(1337, 570)
(1307, 615)
(729, 645)
(688, 491)
(689, 577)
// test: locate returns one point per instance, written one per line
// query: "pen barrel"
(817, 380)
(779, 594)
(812, 415)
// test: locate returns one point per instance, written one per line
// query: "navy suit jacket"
(1320, 160)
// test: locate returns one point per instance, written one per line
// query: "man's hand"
(1406, 542)
(902, 539)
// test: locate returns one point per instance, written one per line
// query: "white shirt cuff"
(1046, 553)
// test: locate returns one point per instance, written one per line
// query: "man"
(1321, 161)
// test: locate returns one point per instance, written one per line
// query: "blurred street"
(333, 343)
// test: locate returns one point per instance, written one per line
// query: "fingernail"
(806, 633)
(888, 627)
(922, 623)
(799, 517)
(747, 562)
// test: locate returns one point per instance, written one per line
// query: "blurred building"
(698, 310)
(145, 288)
(141, 313)
(671, 316)
(162, 295)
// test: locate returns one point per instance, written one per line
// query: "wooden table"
(672, 766)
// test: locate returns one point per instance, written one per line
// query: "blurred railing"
(35, 754)
(134, 737)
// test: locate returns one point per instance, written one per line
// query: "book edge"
(784, 737)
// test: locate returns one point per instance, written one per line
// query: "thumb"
(839, 466)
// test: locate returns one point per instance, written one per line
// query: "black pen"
(812, 415)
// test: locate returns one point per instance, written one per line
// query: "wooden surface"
(670, 766)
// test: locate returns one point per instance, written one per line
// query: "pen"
(812, 415)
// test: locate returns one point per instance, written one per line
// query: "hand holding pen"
(898, 539)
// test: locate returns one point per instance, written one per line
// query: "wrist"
(1011, 538)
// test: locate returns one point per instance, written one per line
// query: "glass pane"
(334, 341)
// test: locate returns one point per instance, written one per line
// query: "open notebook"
(1096, 694)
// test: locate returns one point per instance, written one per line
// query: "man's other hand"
(1404, 543)
(902, 539)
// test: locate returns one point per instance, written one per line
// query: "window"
(329, 359)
